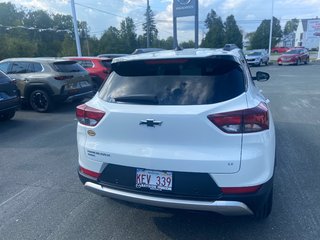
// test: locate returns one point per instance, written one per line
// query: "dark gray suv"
(46, 81)
(9, 97)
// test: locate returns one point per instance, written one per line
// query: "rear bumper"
(88, 94)
(255, 62)
(225, 204)
(7, 105)
(71, 95)
(286, 62)
(222, 207)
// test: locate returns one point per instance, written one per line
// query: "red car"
(294, 56)
(98, 68)
(279, 49)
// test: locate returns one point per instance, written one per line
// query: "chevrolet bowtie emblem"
(150, 123)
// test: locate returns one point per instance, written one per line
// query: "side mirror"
(261, 76)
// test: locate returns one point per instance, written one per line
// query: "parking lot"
(41, 196)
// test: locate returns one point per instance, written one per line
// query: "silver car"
(257, 57)
(46, 81)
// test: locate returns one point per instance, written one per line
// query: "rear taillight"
(89, 172)
(240, 190)
(243, 121)
(63, 77)
(88, 116)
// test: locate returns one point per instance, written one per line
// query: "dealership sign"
(184, 8)
(313, 28)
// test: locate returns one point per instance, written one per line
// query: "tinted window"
(293, 51)
(4, 78)
(174, 82)
(254, 53)
(68, 66)
(19, 67)
(34, 67)
(106, 63)
(37, 67)
(4, 67)
(86, 63)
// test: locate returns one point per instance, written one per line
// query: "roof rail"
(229, 47)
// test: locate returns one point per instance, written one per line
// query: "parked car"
(294, 56)
(182, 129)
(146, 50)
(9, 97)
(111, 55)
(279, 49)
(257, 57)
(98, 68)
(45, 81)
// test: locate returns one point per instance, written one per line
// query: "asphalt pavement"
(41, 196)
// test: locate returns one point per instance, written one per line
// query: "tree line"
(26, 33)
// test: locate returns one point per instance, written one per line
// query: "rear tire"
(264, 211)
(306, 61)
(7, 115)
(298, 62)
(40, 101)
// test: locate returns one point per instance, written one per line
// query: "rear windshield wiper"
(138, 98)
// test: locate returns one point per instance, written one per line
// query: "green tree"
(153, 31)
(189, 44)
(38, 19)
(16, 47)
(68, 47)
(215, 36)
(291, 26)
(233, 34)
(128, 36)
(260, 39)
(110, 41)
(9, 15)
(63, 22)
(166, 43)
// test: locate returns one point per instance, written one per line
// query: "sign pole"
(184, 8)
(175, 34)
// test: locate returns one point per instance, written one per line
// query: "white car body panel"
(204, 148)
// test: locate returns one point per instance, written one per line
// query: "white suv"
(181, 129)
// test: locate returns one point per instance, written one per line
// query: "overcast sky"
(100, 14)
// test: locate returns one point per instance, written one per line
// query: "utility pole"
(319, 50)
(196, 26)
(271, 25)
(148, 24)
(75, 27)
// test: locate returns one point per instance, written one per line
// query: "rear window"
(67, 66)
(86, 63)
(174, 82)
(106, 63)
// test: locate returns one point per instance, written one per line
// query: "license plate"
(154, 180)
(84, 84)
